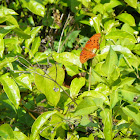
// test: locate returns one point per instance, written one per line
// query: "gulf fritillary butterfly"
(87, 52)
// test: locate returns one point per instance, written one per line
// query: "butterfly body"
(87, 52)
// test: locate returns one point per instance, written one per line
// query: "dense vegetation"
(46, 93)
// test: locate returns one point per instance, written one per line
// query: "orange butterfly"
(87, 52)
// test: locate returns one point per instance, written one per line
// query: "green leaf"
(131, 3)
(86, 106)
(35, 6)
(110, 63)
(11, 89)
(96, 94)
(129, 92)
(1, 45)
(39, 122)
(133, 113)
(96, 23)
(121, 35)
(76, 85)
(20, 136)
(21, 33)
(114, 98)
(67, 58)
(107, 121)
(135, 128)
(98, 77)
(6, 11)
(35, 46)
(25, 81)
(72, 70)
(111, 4)
(110, 24)
(33, 33)
(6, 131)
(47, 84)
(127, 18)
(6, 61)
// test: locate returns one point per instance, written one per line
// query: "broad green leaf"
(20, 136)
(121, 35)
(6, 131)
(72, 70)
(136, 49)
(11, 20)
(21, 33)
(127, 18)
(40, 56)
(33, 33)
(85, 3)
(110, 24)
(35, 46)
(46, 83)
(114, 98)
(98, 77)
(76, 85)
(1, 45)
(7, 60)
(126, 27)
(133, 113)
(111, 4)
(11, 89)
(6, 11)
(25, 81)
(135, 128)
(39, 122)
(131, 3)
(98, 8)
(96, 23)
(95, 94)
(86, 106)
(126, 81)
(67, 58)
(110, 63)
(35, 6)
(106, 116)
(129, 92)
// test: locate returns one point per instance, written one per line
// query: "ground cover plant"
(46, 93)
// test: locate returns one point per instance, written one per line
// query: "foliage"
(46, 93)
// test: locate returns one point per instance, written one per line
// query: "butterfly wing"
(93, 42)
(86, 55)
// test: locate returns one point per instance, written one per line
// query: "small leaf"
(6, 131)
(1, 45)
(129, 92)
(133, 113)
(34, 6)
(127, 18)
(107, 121)
(33, 33)
(39, 122)
(20, 136)
(6, 11)
(110, 63)
(96, 23)
(35, 46)
(121, 35)
(131, 3)
(114, 98)
(7, 60)
(76, 85)
(86, 106)
(46, 83)
(67, 58)
(11, 89)
(24, 80)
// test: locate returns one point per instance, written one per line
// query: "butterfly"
(87, 52)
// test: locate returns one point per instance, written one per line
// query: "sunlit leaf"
(131, 3)
(11, 89)
(76, 85)
(39, 122)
